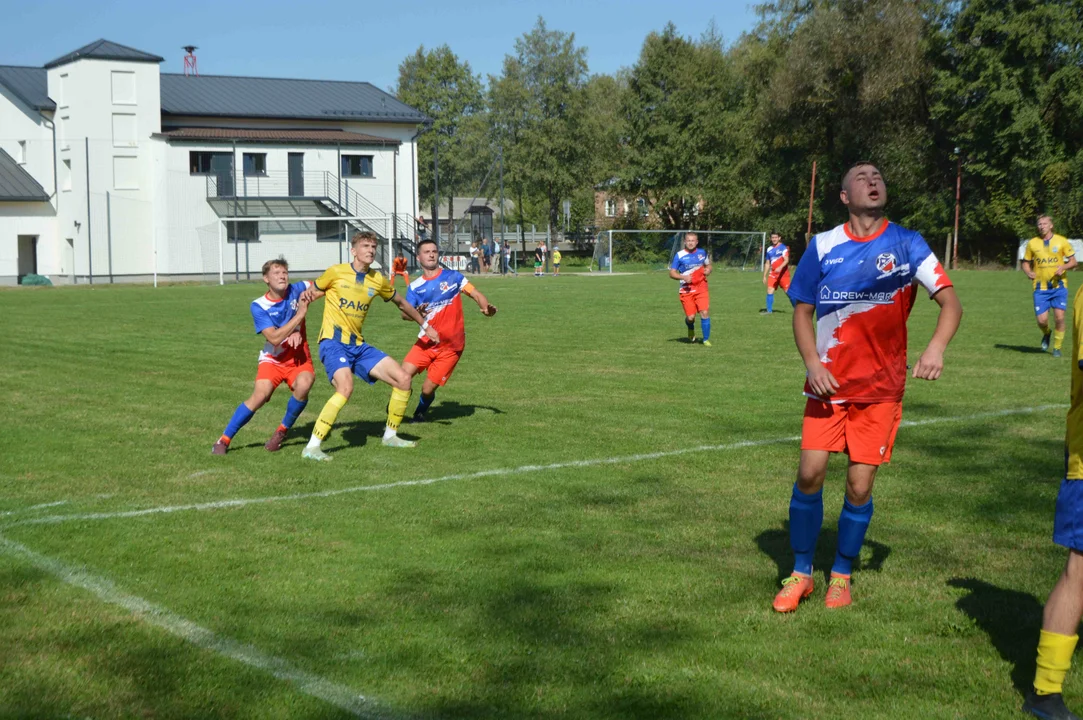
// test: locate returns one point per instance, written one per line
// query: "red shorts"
(287, 373)
(695, 301)
(864, 431)
(779, 280)
(439, 362)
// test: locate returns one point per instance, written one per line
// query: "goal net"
(643, 250)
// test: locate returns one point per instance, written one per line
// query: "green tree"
(438, 84)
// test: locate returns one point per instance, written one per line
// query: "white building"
(113, 170)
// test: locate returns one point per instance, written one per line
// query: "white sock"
(313, 443)
(389, 433)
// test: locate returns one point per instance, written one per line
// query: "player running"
(436, 295)
(691, 266)
(1064, 609)
(350, 289)
(1047, 258)
(398, 267)
(852, 294)
(279, 315)
(776, 270)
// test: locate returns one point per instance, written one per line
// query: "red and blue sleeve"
(806, 279)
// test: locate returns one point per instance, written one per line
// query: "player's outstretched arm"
(931, 363)
(312, 294)
(820, 379)
(411, 312)
(487, 309)
(277, 335)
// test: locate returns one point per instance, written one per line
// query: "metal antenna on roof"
(190, 67)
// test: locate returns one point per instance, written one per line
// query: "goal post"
(643, 250)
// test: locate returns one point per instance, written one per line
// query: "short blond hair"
(364, 235)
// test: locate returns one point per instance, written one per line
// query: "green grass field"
(603, 533)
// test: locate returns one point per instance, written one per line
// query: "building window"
(65, 176)
(610, 208)
(209, 163)
(641, 207)
(356, 166)
(330, 231)
(245, 231)
(62, 132)
(22, 153)
(255, 164)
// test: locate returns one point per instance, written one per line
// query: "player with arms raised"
(1047, 258)
(350, 289)
(691, 266)
(437, 296)
(776, 270)
(852, 294)
(279, 315)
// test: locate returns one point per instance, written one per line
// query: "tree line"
(717, 134)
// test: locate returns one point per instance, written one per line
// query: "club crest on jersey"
(885, 262)
(445, 286)
(371, 292)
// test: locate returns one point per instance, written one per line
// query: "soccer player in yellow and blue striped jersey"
(1047, 258)
(350, 288)
(1064, 609)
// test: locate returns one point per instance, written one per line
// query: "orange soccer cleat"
(795, 588)
(838, 591)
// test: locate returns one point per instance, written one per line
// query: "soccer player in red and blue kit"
(436, 295)
(776, 270)
(279, 315)
(691, 266)
(852, 294)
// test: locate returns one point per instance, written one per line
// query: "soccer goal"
(642, 250)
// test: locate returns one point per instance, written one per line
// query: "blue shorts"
(359, 358)
(1045, 299)
(1068, 521)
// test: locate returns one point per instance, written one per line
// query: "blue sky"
(342, 40)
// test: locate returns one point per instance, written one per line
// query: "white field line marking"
(34, 507)
(243, 502)
(308, 683)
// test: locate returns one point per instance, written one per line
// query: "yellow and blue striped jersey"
(1044, 258)
(1073, 441)
(346, 304)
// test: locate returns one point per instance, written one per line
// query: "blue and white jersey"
(778, 257)
(270, 313)
(863, 290)
(690, 265)
(444, 307)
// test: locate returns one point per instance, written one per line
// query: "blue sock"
(240, 416)
(806, 519)
(294, 408)
(853, 522)
(705, 325)
(771, 302)
(424, 403)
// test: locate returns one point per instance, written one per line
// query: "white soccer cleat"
(315, 454)
(396, 441)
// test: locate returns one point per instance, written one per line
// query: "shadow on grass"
(1010, 618)
(1028, 349)
(776, 545)
(684, 340)
(443, 411)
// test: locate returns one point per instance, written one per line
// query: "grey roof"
(105, 50)
(17, 184)
(227, 96)
(29, 84)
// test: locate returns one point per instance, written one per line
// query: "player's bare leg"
(390, 372)
(261, 393)
(1043, 325)
(342, 381)
(1060, 624)
(806, 519)
(301, 387)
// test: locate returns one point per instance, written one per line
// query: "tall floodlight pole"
(503, 225)
(958, 195)
(436, 191)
